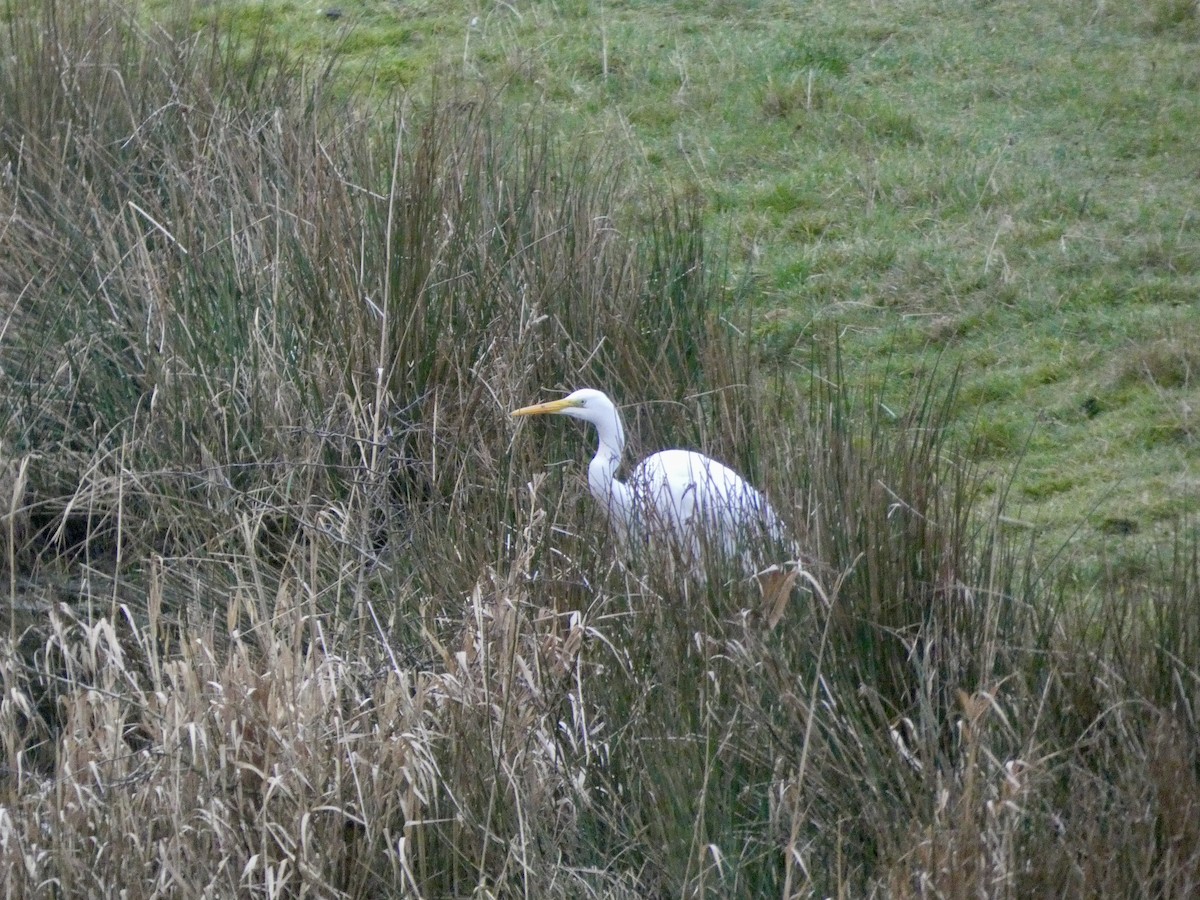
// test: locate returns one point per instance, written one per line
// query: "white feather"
(702, 509)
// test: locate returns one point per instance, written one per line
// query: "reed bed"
(293, 610)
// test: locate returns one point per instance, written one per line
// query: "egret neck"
(615, 496)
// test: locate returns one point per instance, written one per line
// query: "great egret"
(698, 506)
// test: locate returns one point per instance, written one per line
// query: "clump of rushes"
(292, 610)
(244, 312)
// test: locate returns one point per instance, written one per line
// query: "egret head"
(589, 405)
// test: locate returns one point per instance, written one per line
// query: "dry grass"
(271, 760)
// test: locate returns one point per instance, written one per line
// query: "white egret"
(694, 503)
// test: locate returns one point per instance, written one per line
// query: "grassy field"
(294, 609)
(1009, 187)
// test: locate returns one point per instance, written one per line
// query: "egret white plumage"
(695, 504)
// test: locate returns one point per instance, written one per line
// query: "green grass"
(1008, 186)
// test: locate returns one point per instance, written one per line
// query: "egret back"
(703, 508)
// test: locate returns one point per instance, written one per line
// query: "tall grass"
(266, 303)
(293, 610)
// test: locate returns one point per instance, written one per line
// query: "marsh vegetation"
(293, 609)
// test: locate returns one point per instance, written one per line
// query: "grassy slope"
(1011, 183)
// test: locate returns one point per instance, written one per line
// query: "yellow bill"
(550, 407)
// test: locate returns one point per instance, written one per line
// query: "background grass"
(294, 609)
(1011, 186)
